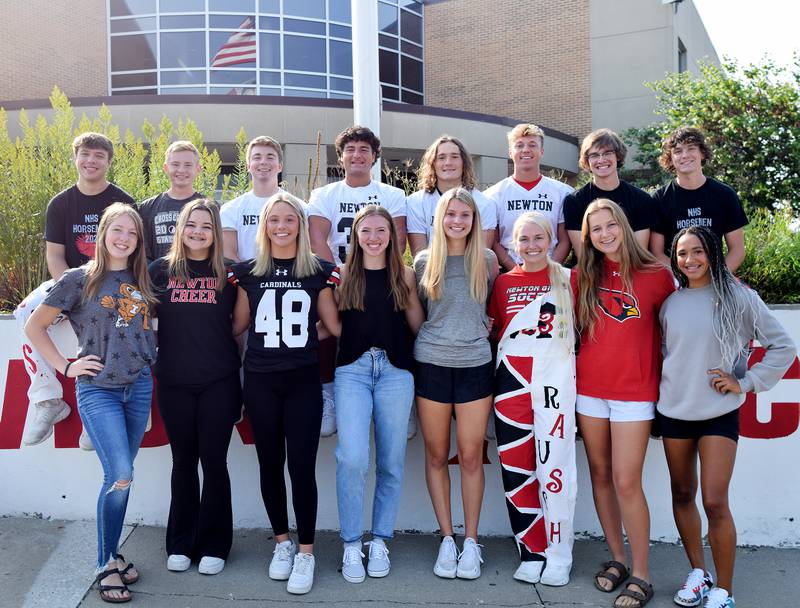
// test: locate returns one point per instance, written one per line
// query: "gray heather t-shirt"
(114, 325)
(456, 331)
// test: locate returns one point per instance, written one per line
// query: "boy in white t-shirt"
(446, 164)
(528, 190)
(240, 216)
(331, 210)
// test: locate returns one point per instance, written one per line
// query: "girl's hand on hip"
(90, 365)
(724, 383)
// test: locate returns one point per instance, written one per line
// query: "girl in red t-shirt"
(619, 290)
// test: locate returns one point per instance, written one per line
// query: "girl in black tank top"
(380, 312)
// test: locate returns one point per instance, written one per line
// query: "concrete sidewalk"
(48, 563)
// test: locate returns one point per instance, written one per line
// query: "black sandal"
(105, 590)
(642, 597)
(615, 579)
(123, 574)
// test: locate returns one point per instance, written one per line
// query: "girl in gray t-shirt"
(707, 327)
(454, 368)
(108, 301)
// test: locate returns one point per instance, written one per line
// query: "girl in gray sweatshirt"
(707, 327)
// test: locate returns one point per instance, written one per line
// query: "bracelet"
(66, 369)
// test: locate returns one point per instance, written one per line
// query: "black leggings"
(199, 420)
(285, 411)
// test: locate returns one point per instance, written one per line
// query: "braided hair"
(731, 299)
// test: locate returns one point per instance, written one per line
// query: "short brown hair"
(264, 140)
(181, 146)
(93, 141)
(607, 139)
(358, 133)
(683, 135)
(525, 130)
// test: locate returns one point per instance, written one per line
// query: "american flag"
(239, 48)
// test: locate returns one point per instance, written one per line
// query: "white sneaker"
(698, 584)
(556, 575)
(302, 577)
(282, 559)
(470, 560)
(378, 565)
(178, 563)
(84, 442)
(412, 423)
(719, 598)
(328, 426)
(529, 572)
(447, 560)
(352, 566)
(211, 565)
(46, 414)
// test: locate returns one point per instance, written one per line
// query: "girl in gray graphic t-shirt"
(454, 368)
(108, 301)
(707, 327)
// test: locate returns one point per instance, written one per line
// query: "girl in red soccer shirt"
(619, 291)
(535, 380)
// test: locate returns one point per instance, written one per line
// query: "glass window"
(183, 90)
(183, 77)
(305, 54)
(341, 84)
(409, 97)
(303, 26)
(232, 77)
(412, 73)
(339, 10)
(304, 80)
(146, 79)
(411, 26)
(232, 48)
(232, 6)
(387, 41)
(411, 49)
(182, 6)
(301, 93)
(183, 49)
(270, 6)
(273, 91)
(412, 5)
(341, 58)
(133, 25)
(125, 8)
(390, 92)
(137, 92)
(305, 8)
(270, 50)
(273, 78)
(340, 95)
(388, 67)
(136, 52)
(387, 18)
(269, 23)
(233, 91)
(339, 31)
(232, 22)
(183, 22)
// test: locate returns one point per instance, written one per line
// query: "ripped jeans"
(116, 419)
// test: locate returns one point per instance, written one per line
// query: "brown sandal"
(105, 590)
(128, 579)
(615, 579)
(642, 597)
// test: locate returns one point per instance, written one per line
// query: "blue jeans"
(368, 389)
(115, 419)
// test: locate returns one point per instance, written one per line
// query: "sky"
(747, 29)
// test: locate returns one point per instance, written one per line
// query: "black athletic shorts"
(453, 384)
(726, 425)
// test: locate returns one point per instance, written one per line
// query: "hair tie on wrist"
(66, 369)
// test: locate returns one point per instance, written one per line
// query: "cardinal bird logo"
(86, 245)
(619, 305)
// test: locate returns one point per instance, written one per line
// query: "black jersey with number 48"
(283, 314)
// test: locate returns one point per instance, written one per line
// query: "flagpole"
(366, 79)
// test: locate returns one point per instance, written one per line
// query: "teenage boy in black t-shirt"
(603, 154)
(71, 222)
(160, 213)
(692, 199)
